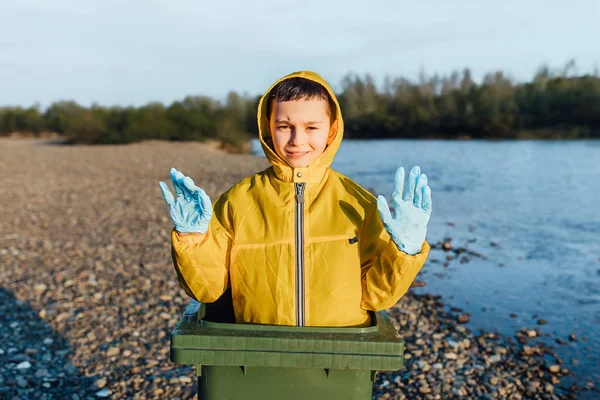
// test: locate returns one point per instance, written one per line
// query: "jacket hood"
(316, 170)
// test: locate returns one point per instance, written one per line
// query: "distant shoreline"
(245, 147)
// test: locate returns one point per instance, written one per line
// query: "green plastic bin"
(248, 361)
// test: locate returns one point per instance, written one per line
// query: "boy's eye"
(312, 127)
(282, 127)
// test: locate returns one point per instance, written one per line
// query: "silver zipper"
(300, 253)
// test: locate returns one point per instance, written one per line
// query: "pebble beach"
(88, 294)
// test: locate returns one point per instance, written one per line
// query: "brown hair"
(300, 88)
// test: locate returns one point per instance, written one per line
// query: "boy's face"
(301, 130)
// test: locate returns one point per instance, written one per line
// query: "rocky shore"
(88, 295)
(444, 359)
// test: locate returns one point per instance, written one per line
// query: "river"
(531, 208)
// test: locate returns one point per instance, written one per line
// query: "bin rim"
(198, 342)
(372, 328)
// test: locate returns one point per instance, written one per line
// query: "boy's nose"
(297, 137)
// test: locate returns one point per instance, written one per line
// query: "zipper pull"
(300, 192)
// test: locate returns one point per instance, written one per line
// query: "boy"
(299, 243)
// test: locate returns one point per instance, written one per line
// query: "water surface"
(537, 200)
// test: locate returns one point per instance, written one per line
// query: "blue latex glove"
(409, 227)
(192, 210)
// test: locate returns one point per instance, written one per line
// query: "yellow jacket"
(323, 262)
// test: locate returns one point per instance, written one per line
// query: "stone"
(494, 359)
(532, 386)
(463, 318)
(40, 288)
(23, 365)
(21, 382)
(103, 393)
(113, 351)
(19, 357)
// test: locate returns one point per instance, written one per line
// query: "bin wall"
(235, 383)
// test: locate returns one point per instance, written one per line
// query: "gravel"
(88, 294)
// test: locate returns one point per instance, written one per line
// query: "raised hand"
(412, 211)
(192, 210)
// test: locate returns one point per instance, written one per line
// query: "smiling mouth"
(296, 154)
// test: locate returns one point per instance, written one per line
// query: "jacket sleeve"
(202, 260)
(386, 272)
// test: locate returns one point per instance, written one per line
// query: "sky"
(131, 52)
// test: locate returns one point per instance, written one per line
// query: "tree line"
(193, 118)
(553, 105)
